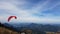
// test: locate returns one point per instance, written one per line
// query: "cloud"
(45, 6)
(33, 14)
(40, 20)
(12, 8)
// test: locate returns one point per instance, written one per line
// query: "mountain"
(34, 26)
(38, 28)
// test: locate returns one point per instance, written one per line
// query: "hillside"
(5, 30)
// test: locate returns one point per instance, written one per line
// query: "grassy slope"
(7, 31)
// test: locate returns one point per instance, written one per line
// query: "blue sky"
(36, 11)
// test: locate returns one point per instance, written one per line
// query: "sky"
(35, 11)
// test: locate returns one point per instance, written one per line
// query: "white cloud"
(44, 6)
(39, 20)
(39, 7)
(6, 5)
(25, 15)
(13, 9)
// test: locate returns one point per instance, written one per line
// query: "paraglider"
(9, 18)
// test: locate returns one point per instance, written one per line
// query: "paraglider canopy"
(10, 17)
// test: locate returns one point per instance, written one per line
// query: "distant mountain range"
(34, 27)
